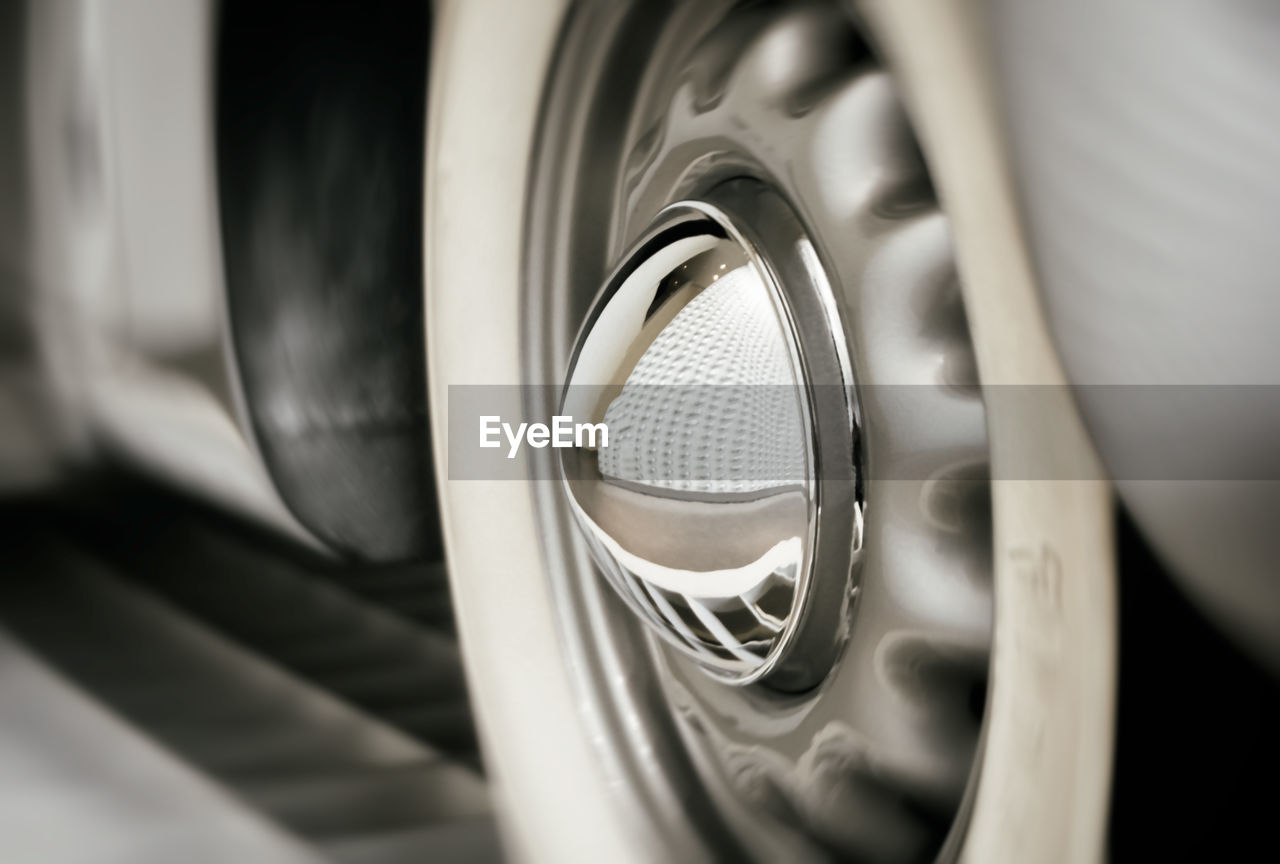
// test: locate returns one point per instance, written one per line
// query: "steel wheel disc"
(874, 761)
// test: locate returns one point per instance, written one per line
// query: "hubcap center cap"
(701, 497)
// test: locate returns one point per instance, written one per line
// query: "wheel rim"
(875, 761)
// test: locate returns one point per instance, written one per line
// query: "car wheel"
(929, 675)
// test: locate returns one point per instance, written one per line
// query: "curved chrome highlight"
(699, 357)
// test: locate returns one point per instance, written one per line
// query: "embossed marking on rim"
(725, 509)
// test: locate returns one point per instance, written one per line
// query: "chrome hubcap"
(724, 507)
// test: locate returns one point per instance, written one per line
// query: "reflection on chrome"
(701, 509)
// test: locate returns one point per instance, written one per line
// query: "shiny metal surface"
(875, 759)
(703, 509)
